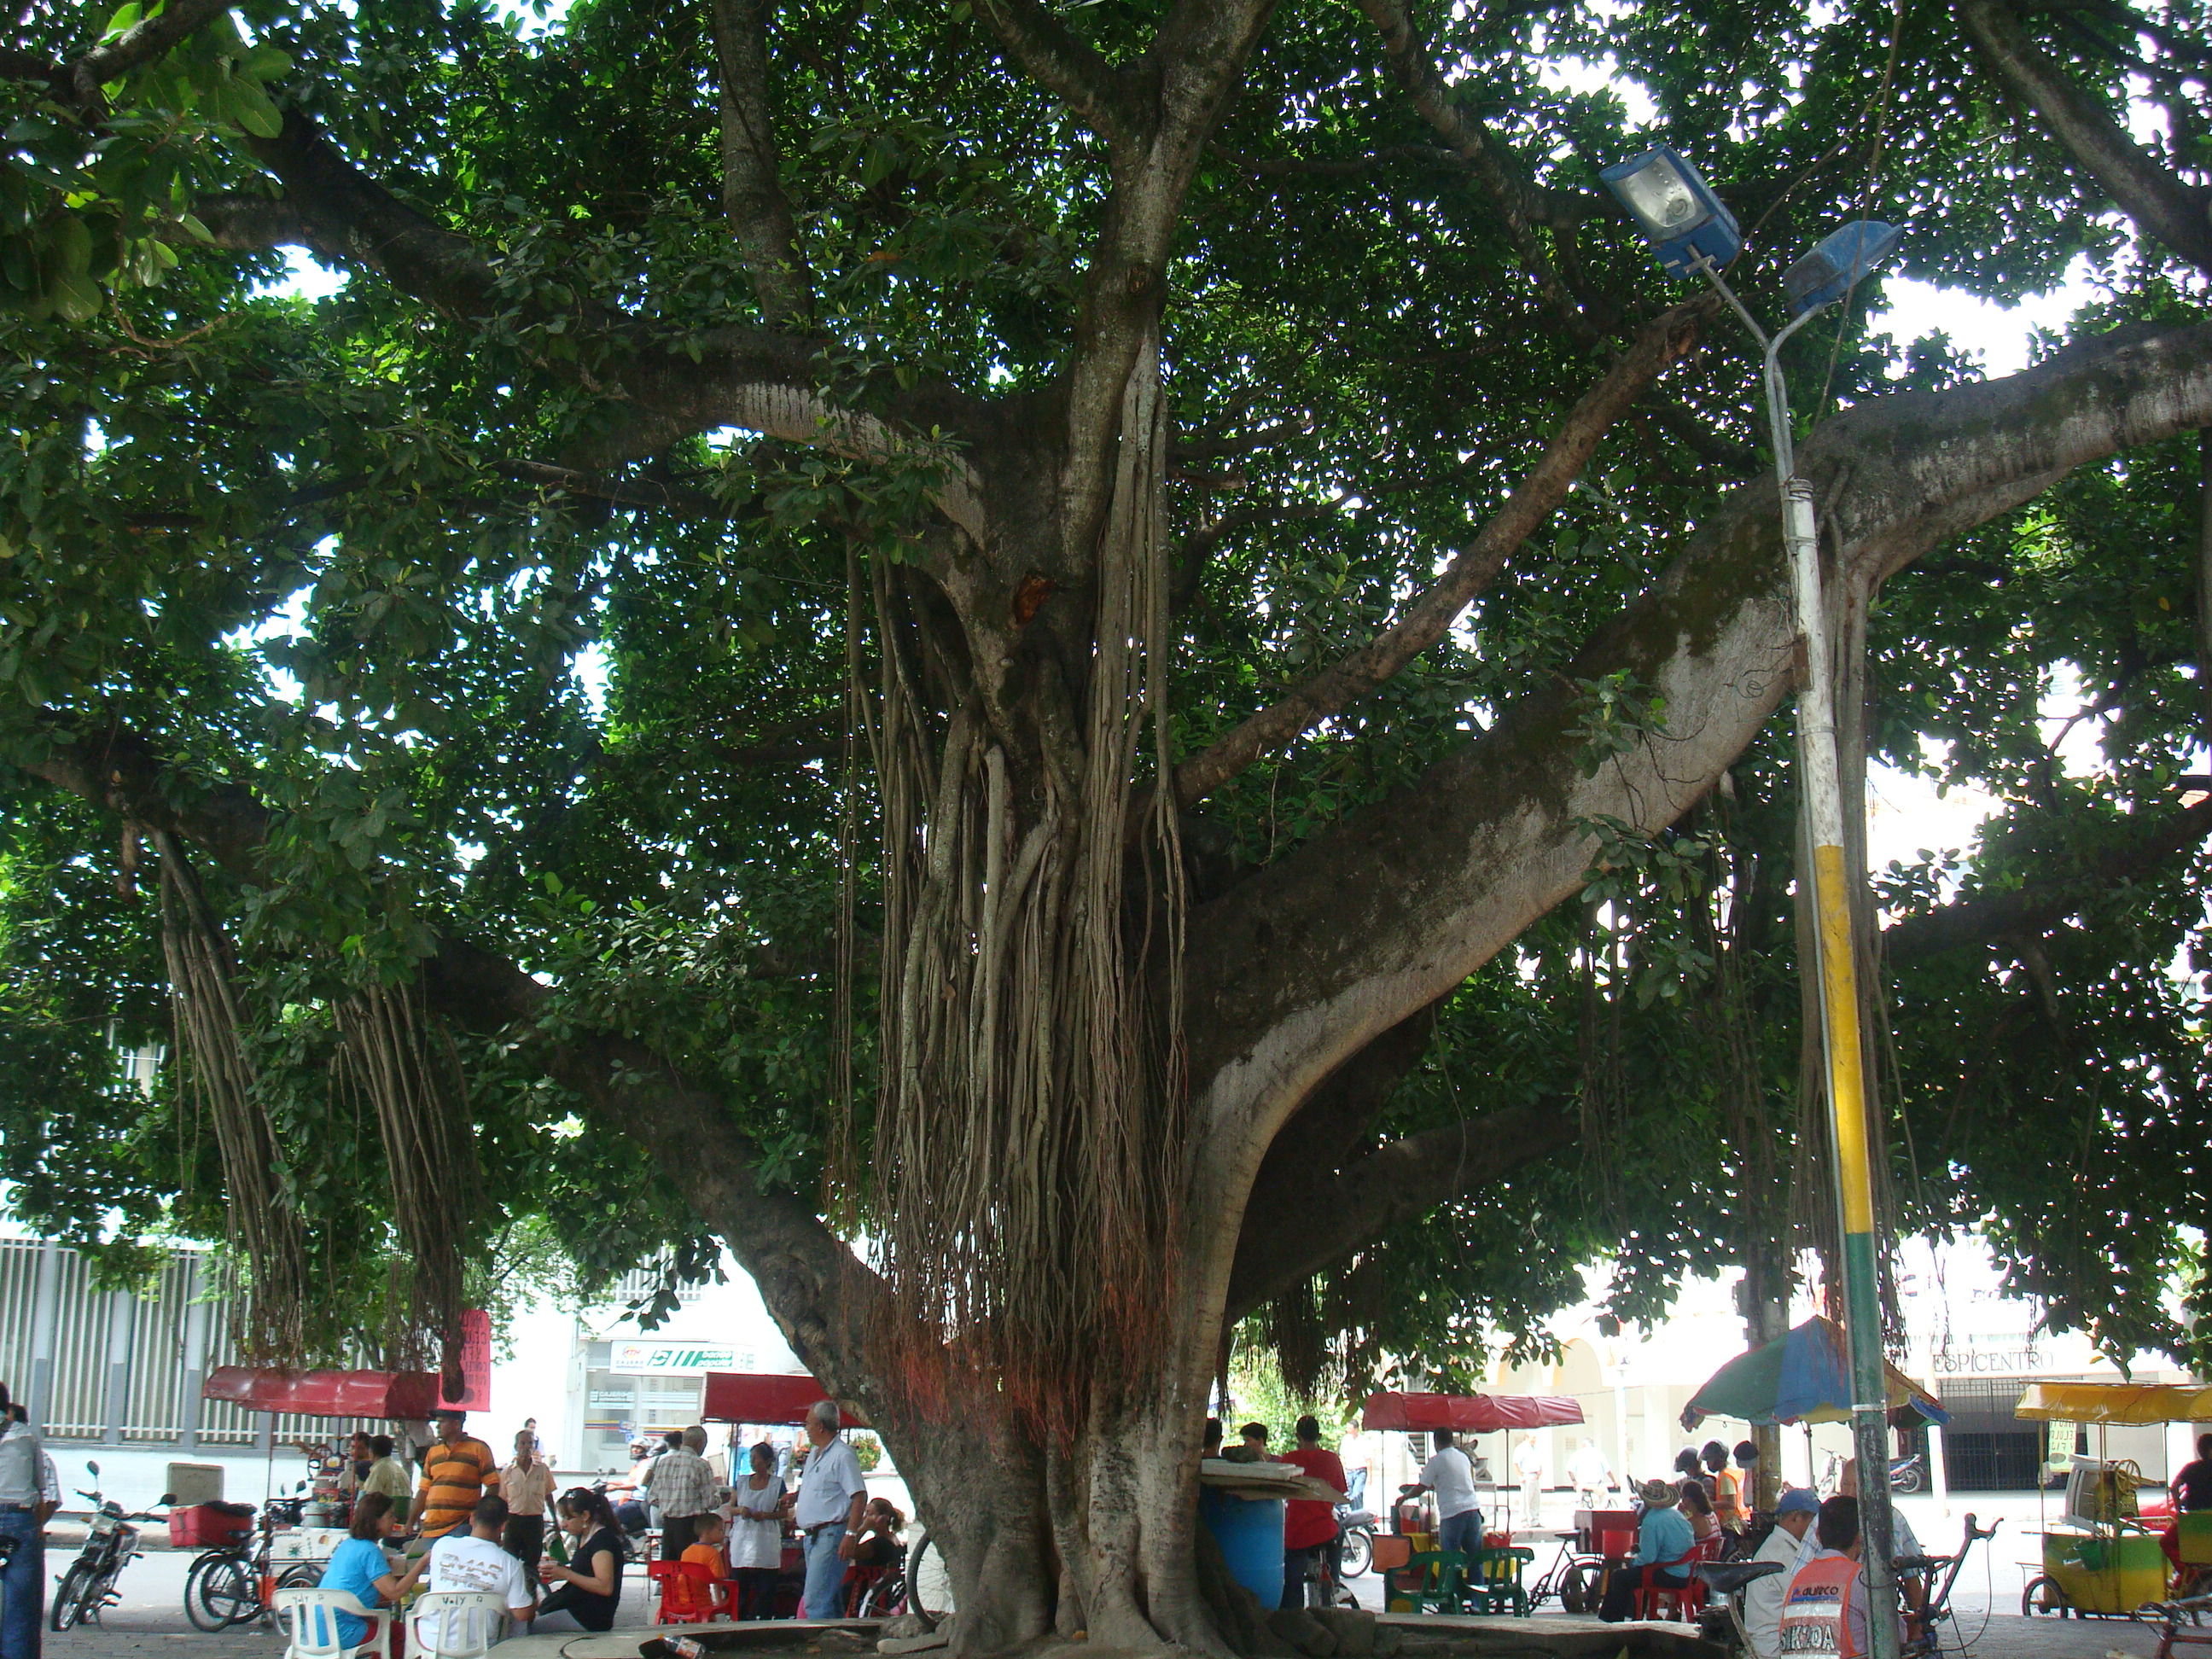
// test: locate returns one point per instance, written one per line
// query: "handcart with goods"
(1419, 1576)
(2103, 1557)
(246, 1559)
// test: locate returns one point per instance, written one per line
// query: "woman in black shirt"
(590, 1584)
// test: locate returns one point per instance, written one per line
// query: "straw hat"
(1659, 1495)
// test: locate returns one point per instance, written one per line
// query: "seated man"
(1904, 1546)
(1662, 1543)
(475, 1559)
(686, 1593)
(1825, 1610)
(1790, 1545)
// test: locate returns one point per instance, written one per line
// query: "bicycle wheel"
(219, 1592)
(305, 1575)
(2043, 1596)
(1578, 1589)
(1358, 1553)
(928, 1585)
(886, 1597)
(69, 1599)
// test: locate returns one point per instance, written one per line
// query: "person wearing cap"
(1663, 1544)
(457, 1470)
(1789, 1545)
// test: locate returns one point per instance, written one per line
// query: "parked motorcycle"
(1906, 1474)
(110, 1543)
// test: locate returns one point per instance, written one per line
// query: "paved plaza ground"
(150, 1623)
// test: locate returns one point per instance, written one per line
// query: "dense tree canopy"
(1010, 628)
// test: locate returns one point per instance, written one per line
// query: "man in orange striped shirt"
(457, 1470)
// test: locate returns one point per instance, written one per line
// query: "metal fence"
(124, 1367)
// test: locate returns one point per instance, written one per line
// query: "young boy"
(706, 1549)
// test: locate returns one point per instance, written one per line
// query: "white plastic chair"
(457, 1624)
(311, 1627)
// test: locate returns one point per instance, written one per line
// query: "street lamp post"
(1693, 233)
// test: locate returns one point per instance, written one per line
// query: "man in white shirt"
(28, 1494)
(1592, 1474)
(831, 1498)
(477, 1561)
(1790, 1545)
(1451, 1477)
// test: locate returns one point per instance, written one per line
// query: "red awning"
(399, 1396)
(1468, 1413)
(751, 1397)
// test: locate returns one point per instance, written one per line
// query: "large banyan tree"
(934, 639)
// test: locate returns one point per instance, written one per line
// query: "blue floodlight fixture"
(1845, 257)
(1675, 210)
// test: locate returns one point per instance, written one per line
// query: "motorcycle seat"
(1729, 1576)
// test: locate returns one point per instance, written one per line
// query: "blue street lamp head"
(1675, 210)
(1845, 257)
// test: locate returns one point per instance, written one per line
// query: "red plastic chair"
(661, 1577)
(707, 1595)
(1679, 1603)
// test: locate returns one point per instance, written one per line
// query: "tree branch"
(1306, 960)
(752, 194)
(1048, 52)
(1521, 205)
(1661, 345)
(2162, 204)
(821, 1295)
(1333, 1216)
(2150, 843)
(140, 44)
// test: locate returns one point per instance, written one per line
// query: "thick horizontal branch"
(1283, 1247)
(2150, 843)
(1429, 617)
(1306, 960)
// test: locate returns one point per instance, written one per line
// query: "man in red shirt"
(1309, 1524)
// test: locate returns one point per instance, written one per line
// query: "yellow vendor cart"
(2101, 1557)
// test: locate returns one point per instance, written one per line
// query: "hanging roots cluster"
(394, 1056)
(264, 1224)
(397, 1055)
(1027, 1152)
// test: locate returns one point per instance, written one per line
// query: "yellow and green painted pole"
(1820, 786)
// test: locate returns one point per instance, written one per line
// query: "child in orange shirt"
(688, 1595)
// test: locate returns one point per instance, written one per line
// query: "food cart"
(233, 1583)
(781, 1399)
(1497, 1584)
(2100, 1558)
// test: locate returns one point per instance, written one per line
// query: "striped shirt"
(453, 1477)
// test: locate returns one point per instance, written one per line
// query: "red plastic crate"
(205, 1525)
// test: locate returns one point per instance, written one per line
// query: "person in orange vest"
(1824, 1609)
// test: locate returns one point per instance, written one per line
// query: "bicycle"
(233, 1584)
(1943, 1571)
(2183, 1618)
(1573, 1577)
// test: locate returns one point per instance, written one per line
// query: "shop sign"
(671, 1359)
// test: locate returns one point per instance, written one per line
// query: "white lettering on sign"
(1954, 1362)
(662, 1359)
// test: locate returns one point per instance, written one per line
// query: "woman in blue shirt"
(359, 1566)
